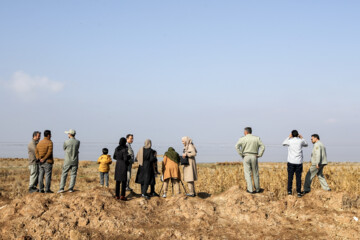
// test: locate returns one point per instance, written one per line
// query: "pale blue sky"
(164, 69)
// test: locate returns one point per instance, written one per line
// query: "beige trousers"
(176, 184)
(191, 186)
(251, 166)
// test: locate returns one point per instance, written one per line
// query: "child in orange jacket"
(104, 167)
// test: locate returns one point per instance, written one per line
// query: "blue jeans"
(106, 176)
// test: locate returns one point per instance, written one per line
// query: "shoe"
(145, 196)
(117, 198)
(49, 191)
(257, 191)
(101, 185)
(329, 190)
(299, 195)
(61, 191)
(289, 193)
(71, 190)
(129, 189)
(32, 190)
(41, 191)
(249, 192)
(190, 195)
(123, 198)
(164, 195)
(154, 194)
(305, 192)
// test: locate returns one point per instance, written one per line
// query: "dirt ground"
(94, 213)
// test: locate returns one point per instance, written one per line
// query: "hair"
(316, 136)
(47, 133)
(129, 135)
(294, 133)
(105, 151)
(248, 129)
(36, 133)
(73, 135)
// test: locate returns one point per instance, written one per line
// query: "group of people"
(41, 163)
(250, 148)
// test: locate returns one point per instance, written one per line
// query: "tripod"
(172, 186)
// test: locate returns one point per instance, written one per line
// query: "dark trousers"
(297, 169)
(45, 169)
(117, 188)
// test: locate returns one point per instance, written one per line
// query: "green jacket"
(318, 155)
(71, 148)
(250, 144)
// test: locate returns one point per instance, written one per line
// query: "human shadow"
(203, 195)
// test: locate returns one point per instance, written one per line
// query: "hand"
(184, 155)
(258, 156)
(301, 137)
(317, 166)
(290, 136)
(42, 160)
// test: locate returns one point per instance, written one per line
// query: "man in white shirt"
(295, 143)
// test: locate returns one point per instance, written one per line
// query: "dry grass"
(213, 178)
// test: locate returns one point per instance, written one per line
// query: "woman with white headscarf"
(190, 171)
(145, 176)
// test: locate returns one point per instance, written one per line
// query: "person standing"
(122, 158)
(104, 162)
(33, 162)
(250, 148)
(129, 141)
(318, 162)
(71, 162)
(295, 143)
(190, 171)
(146, 157)
(44, 152)
(171, 170)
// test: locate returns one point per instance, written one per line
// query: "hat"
(71, 131)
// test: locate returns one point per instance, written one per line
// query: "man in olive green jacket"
(71, 161)
(318, 162)
(250, 148)
(33, 162)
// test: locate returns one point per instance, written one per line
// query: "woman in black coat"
(145, 176)
(122, 162)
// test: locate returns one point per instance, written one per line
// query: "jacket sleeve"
(37, 155)
(261, 148)
(64, 146)
(238, 147)
(191, 151)
(98, 161)
(286, 142)
(109, 160)
(49, 150)
(304, 143)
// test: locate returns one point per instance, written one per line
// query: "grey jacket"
(250, 144)
(131, 153)
(71, 148)
(318, 155)
(31, 151)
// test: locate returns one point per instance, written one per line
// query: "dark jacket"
(122, 162)
(146, 173)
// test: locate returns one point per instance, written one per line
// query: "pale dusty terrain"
(92, 212)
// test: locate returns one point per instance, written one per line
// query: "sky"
(167, 69)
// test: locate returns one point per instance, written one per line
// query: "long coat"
(170, 169)
(190, 171)
(122, 162)
(146, 173)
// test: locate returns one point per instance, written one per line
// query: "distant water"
(207, 152)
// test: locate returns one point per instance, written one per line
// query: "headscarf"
(122, 144)
(188, 141)
(172, 155)
(140, 153)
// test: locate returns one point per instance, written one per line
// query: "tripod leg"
(161, 188)
(183, 187)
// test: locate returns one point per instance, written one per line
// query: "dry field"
(222, 210)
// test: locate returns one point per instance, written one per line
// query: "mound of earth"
(233, 214)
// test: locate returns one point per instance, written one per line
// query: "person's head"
(71, 133)
(171, 149)
(294, 133)
(105, 151)
(185, 141)
(130, 138)
(122, 142)
(36, 135)
(47, 134)
(147, 143)
(247, 130)
(315, 138)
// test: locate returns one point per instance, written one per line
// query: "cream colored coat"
(190, 171)
(170, 169)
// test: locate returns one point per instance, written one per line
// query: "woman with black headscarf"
(122, 163)
(146, 157)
